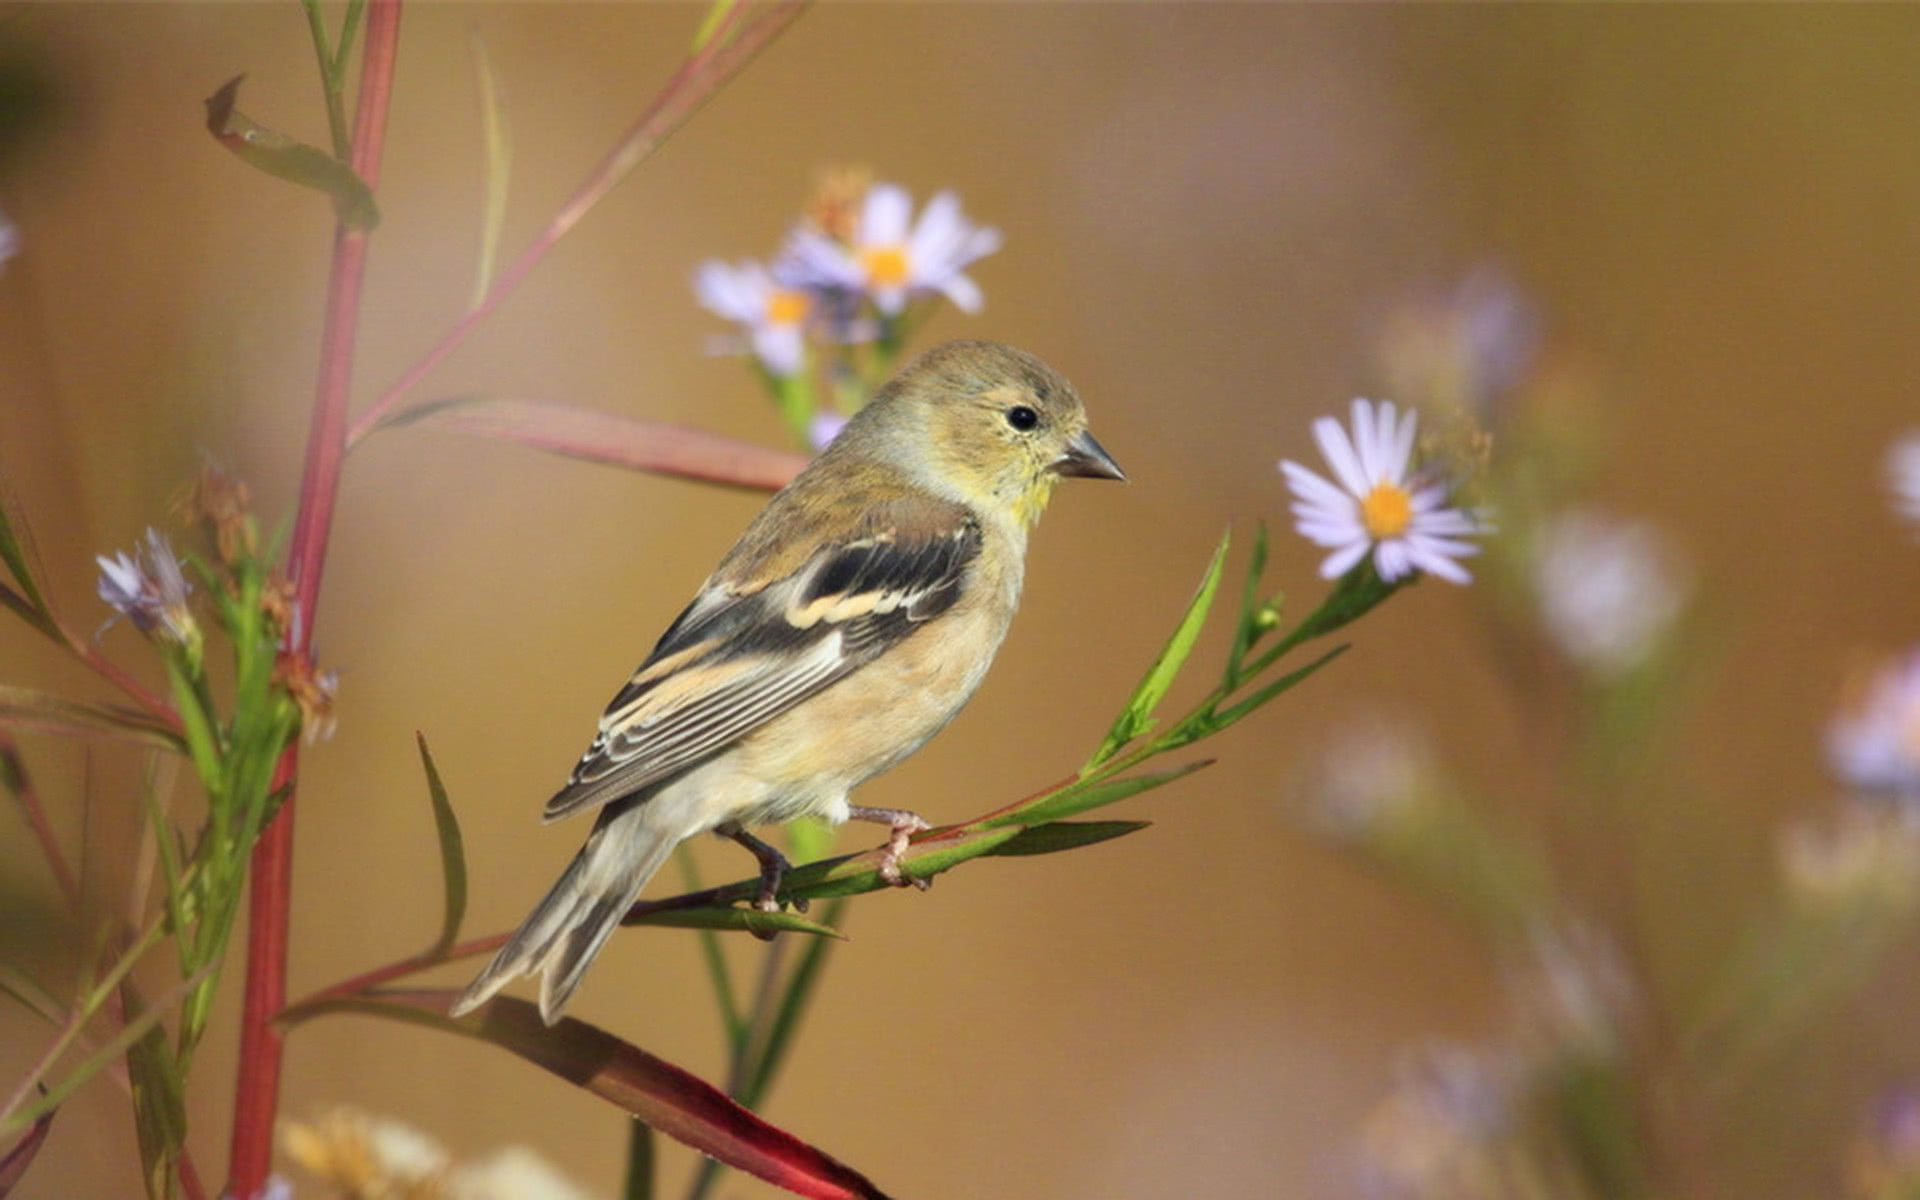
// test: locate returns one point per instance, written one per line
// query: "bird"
(853, 619)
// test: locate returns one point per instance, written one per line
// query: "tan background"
(1207, 209)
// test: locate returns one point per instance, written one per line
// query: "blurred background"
(1220, 222)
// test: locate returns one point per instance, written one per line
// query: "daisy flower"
(773, 315)
(1378, 505)
(892, 257)
(1875, 744)
(1903, 475)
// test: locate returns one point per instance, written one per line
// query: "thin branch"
(21, 785)
(703, 74)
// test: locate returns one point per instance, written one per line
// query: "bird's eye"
(1022, 418)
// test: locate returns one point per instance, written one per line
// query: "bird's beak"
(1086, 458)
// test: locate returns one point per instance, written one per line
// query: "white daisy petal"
(1338, 450)
(884, 218)
(1341, 561)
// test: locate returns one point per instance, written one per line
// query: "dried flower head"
(313, 691)
(834, 207)
(223, 505)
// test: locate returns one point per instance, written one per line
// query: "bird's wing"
(736, 659)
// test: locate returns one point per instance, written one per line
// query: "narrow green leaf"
(499, 151)
(640, 1161)
(132, 1042)
(860, 873)
(793, 1006)
(1080, 797)
(24, 708)
(1137, 717)
(1252, 608)
(1055, 836)
(14, 554)
(453, 859)
(31, 995)
(670, 1099)
(716, 15)
(1229, 716)
(295, 161)
(745, 920)
(25, 610)
(159, 1104)
(14, 1163)
(716, 962)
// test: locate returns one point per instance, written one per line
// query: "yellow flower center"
(886, 266)
(786, 307)
(1387, 511)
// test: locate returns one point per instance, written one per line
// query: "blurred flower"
(1438, 1132)
(773, 313)
(1884, 1161)
(373, 1158)
(152, 594)
(1574, 992)
(826, 426)
(891, 257)
(1871, 855)
(1367, 779)
(1378, 505)
(1608, 589)
(1874, 743)
(1463, 350)
(1903, 475)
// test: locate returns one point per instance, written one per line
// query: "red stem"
(29, 798)
(257, 1090)
(699, 78)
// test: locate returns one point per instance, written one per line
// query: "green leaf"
(453, 859)
(26, 611)
(717, 13)
(1055, 836)
(1137, 717)
(14, 554)
(295, 161)
(499, 149)
(140, 1037)
(24, 708)
(793, 1006)
(1252, 608)
(159, 1105)
(1080, 797)
(640, 1162)
(745, 920)
(669, 1098)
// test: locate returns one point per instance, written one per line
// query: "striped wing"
(734, 661)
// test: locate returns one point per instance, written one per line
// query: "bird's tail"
(569, 926)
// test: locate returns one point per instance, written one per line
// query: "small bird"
(850, 622)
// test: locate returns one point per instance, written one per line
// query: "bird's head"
(995, 427)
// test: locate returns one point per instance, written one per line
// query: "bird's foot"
(905, 824)
(773, 870)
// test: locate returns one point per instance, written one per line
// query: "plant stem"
(720, 58)
(15, 771)
(257, 1090)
